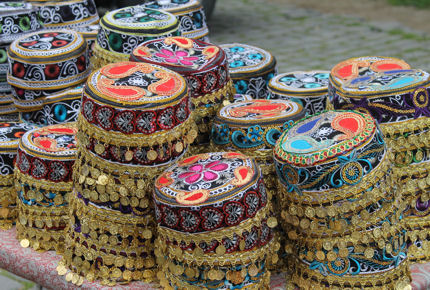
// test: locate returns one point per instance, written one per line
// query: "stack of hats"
(341, 213)
(190, 14)
(214, 224)
(205, 67)
(16, 19)
(124, 29)
(399, 101)
(10, 133)
(253, 127)
(66, 14)
(44, 182)
(90, 35)
(250, 68)
(44, 63)
(135, 120)
(310, 88)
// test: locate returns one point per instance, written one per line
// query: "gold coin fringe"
(102, 57)
(38, 226)
(304, 278)
(409, 141)
(8, 207)
(316, 228)
(113, 248)
(203, 116)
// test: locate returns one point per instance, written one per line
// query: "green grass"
(25, 284)
(416, 3)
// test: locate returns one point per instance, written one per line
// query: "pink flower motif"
(179, 57)
(208, 172)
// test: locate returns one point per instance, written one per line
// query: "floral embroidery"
(177, 57)
(208, 172)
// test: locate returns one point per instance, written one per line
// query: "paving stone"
(307, 39)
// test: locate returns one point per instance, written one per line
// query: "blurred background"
(309, 34)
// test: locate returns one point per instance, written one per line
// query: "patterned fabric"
(190, 14)
(251, 68)
(66, 54)
(130, 98)
(362, 66)
(390, 96)
(211, 191)
(57, 108)
(328, 151)
(10, 133)
(17, 19)
(255, 124)
(310, 88)
(124, 29)
(48, 153)
(70, 14)
(204, 65)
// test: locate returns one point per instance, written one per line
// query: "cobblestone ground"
(306, 39)
(300, 39)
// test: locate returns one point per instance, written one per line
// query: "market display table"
(40, 268)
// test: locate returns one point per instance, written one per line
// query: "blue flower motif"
(237, 63)
(321, 76)
(255, 134)
(241, 86)
(236, 49)
(221, 134)
(255, 56)
(287, 79)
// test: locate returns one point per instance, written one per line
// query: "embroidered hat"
(16, 20)
(204, 65)
(190, 14)
(10, 133)
(362, 66)
(124, 29)
(44, 173)
(134, 122)
(336, 186)
(310, 88)
(399, 101)
(253, 127)
(251, 68)
(47, 61)
(212, 212)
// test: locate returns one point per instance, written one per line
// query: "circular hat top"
(171, 6)
(262, 112)
(48, 45)
(363, 66)
(56, 142)
(183, 55)
(385, 83)
(300, 83)
(136, 86)
(206, 179)
(246, 60)
(322, 137)
(10, 133)
(139, 20)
